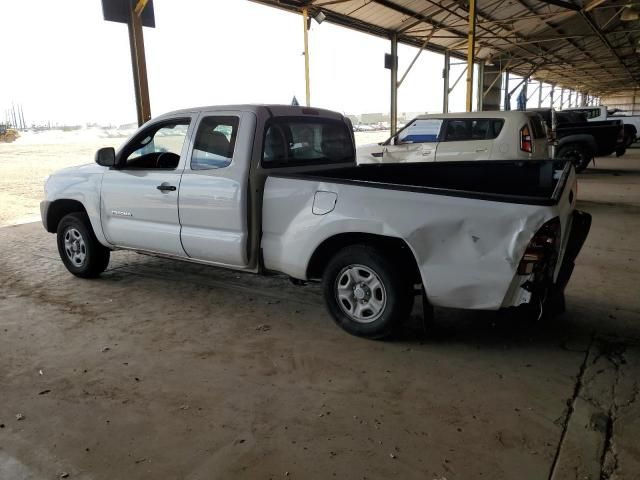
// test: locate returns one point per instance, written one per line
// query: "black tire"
(628, 140)
(80, 251)
(395, 293)
(578, 154)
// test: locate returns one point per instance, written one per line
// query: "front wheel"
(80, 251)
(577, 154)
(366, 294)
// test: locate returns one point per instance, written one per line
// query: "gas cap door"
(324, 202)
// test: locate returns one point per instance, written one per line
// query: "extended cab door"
(139, 197)
(417, 142)
(214, 189)
(468, 139)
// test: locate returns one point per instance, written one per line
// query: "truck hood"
(70, 178)
(85, 169)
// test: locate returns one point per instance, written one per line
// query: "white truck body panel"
(467, 250)
(82, 184)
(136, 215)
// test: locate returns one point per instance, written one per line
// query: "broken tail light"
(542, 251)
(525, 139)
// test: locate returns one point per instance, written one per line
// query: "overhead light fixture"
(629, 15)
(319, 17)
(593, 4)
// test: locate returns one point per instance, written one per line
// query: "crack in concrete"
(571, 406)
(606, 402)
(609, 460)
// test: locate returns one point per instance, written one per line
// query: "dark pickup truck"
(580, 141)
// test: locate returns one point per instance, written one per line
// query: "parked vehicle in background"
(276, 189)
(462, 137)
(8, 134)
(600, 113)
(580, 141)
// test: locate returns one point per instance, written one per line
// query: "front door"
(417, 142)
(139, 198)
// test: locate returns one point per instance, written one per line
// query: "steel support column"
(445, 82)
(471, 53)
(394, 84)
(480, 102)
(139, 64)
(507, 99)
(540, 95)
(561, 98)
(305, 19)
(551, 96)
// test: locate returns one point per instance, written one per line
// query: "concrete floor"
(165, 370)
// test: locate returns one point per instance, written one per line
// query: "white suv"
(449, 137)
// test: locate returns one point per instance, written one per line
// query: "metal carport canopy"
(583, 45)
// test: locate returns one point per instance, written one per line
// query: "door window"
(472, 129)
(421, 131)
(215, 142)
(157, 147)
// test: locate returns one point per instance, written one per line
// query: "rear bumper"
(580, 226)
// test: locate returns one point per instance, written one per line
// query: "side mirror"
(106, 157)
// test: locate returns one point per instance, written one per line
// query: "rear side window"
(291, 141)
(215, 141)
(496, 127)
(589, 112)
(472, 129)
(537, 127)
(421, 130)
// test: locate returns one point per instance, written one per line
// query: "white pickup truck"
(276, 189)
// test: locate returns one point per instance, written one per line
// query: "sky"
(63, 63)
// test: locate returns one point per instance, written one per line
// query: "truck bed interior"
(516, 181)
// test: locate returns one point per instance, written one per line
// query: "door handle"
(479, 150)
(166, 188)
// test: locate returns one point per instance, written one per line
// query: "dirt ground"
(166, 370)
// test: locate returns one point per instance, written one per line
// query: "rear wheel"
(80, 251)
(577, 154)
(366, 294)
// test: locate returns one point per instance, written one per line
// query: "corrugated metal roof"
(559, 41)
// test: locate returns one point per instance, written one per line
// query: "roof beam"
(563, 4)
(594, 26)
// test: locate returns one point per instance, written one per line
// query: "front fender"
(82, 185)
